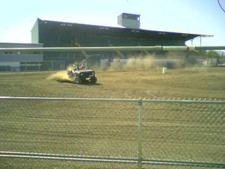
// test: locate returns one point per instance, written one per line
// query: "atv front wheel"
(93, 80)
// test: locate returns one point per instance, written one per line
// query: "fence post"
(140, 134)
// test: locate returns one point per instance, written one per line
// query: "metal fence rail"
(169, 133)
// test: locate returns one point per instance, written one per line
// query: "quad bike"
(82, 76)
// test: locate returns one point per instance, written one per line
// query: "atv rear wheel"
(77, 80)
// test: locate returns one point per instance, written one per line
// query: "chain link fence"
(111, 133)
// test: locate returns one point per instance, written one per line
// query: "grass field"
(171, 131)
(183, 83)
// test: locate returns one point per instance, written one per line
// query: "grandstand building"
(64, 34)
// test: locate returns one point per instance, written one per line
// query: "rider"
(82, 67)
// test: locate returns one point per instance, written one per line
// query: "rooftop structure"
(129, 20)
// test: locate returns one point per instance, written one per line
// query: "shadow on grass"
(84, 83)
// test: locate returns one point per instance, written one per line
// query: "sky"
(188, 16)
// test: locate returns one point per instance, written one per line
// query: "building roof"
(19, 45)
(56, 33)
(129, 14)
(135, 32)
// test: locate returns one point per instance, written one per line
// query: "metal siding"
(21, 57)
(35, 32)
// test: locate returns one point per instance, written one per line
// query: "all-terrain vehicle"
(82, 76)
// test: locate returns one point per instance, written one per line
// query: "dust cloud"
(147, 62)
(61, 75)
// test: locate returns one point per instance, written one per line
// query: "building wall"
(35, 33)
(17, 61)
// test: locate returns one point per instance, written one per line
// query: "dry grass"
(182, 83)
(171, 131)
